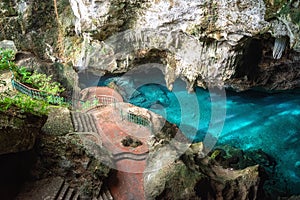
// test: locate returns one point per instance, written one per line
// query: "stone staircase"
(83, 122)
(105, 195)
(56, 188)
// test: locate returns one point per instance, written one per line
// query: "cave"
(248, 65)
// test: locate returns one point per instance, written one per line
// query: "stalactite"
(279, 47)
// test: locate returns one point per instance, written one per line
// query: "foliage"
(36, 80)
(215, 153)
(41, 82)
(22, 101)
(22, 74)
(6, 59)
(277, 8)
(90, 103)
(291, 12)
(25, 103)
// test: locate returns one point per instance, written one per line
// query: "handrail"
(56, 99)
(103, 100)
(97, 101)
(37, 94)
(137, 119)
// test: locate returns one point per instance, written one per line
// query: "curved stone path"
(130, 162)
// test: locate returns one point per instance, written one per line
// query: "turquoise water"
(247, 120)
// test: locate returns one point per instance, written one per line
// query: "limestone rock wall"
(209, 43)
(231, 43)
(193, 176)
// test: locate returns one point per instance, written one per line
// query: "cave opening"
(15, 170)
(248, 66)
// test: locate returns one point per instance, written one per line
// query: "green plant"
(43, 82)
(90, 103)
(25, 103)
(49, 89)
(22, 74)
(6, 59)
(215, 154)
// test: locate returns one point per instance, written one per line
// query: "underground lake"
(249, 120)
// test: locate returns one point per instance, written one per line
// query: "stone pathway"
(127, 182)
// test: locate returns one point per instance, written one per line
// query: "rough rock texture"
(18, 130)
(193, 176)
(63, 74)
(76, 158)
(58, 122)
(236, 44)
(8, 44)
(207, 43)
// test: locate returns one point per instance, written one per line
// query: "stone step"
(92, 123)
(130, 156)
(105, 194)
(62, 192)
(55, 188)
(83, 122)
(76, 196)
(70, 194)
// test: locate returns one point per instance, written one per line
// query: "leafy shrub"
(35, 80)
(42, 82)
(6, 57)
(25, 103)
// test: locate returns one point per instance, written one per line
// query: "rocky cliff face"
(234, 44)
(194, 176)
(19, 130)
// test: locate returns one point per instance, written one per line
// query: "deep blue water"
(247, 120)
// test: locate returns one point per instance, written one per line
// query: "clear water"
(253, 120)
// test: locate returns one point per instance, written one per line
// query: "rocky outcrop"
(19, 130)
(230, 44)
(77, 159)
(59, 122)
(195, 176)
(235, 44)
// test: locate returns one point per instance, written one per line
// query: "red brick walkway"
(127, 183)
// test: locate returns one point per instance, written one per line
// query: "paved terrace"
(115, 121)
